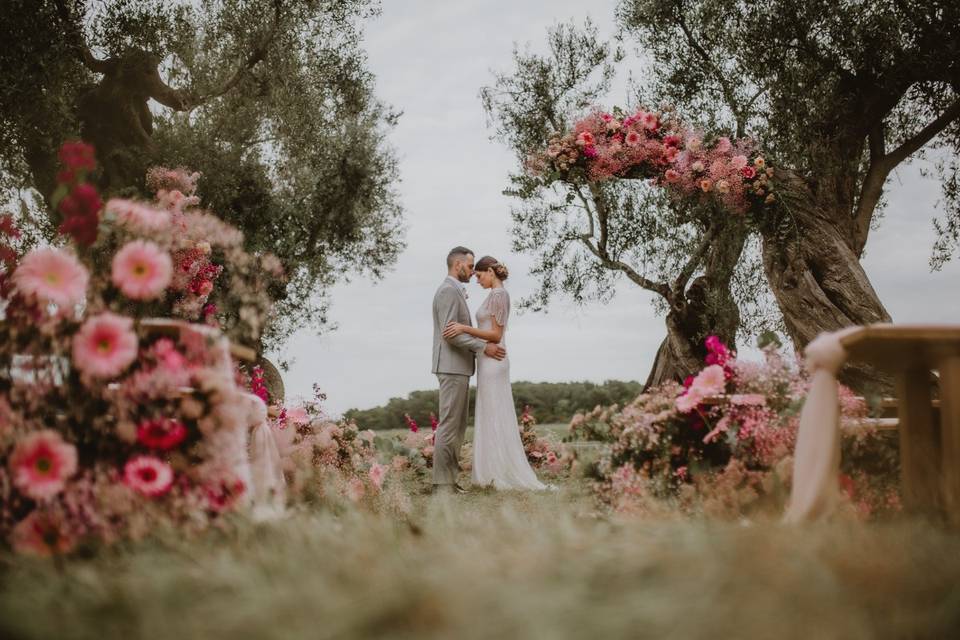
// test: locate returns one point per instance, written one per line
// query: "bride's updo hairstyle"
(499, 270)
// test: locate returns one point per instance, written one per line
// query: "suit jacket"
(457, 355)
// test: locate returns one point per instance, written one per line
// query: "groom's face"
(465, 269)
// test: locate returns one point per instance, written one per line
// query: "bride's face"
(485, 278)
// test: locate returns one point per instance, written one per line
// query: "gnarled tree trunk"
(706, 308)
(817, 278)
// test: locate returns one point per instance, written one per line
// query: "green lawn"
(489, 565)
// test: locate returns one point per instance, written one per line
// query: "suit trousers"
(454, 406)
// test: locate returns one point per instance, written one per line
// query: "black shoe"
(448, 489)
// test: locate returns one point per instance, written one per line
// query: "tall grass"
(500, 565)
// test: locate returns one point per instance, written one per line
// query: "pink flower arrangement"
(148, 476)
(162, 434)
(142, 270)
(41, 463)
(105, 345)
(650, 145)
(52, 276)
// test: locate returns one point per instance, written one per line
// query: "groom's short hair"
(457, 253)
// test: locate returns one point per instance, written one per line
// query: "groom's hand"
(495, 351)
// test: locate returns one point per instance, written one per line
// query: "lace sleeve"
(500, 306)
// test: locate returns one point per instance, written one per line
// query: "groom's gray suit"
(454, 361)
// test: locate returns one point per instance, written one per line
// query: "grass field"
(490, 565)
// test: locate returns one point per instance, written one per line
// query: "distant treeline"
(548, 401)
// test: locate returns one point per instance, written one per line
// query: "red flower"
(81, 211)
(161, 433)
(748, 172)
(671, 141)
(224, 494)
(78, 155)
(411, 423)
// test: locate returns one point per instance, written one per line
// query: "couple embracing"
(459, 348)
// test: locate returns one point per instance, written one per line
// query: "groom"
(453, 363)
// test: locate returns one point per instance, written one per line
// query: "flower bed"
(732, 457)
(108, 426)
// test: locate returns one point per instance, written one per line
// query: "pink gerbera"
(148, 475)
(161, 433)
(142, 270)
(51, 275)
(633, 139)
(711, 381)
(41, 463)
(651, 121)
(105, 345)
(40, 534)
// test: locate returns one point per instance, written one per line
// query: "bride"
(498, 455)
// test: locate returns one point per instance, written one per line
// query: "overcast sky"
(430, 59)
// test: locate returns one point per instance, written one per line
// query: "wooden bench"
(929, 443)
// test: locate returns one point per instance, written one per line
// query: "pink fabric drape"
(816, 459)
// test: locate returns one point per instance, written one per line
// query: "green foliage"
(550, 402)
(291, 146)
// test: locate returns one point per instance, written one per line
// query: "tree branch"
(79, 44)
(601, 253)
(882, 164)
(680, 284)
(258, 53)
(725, 87)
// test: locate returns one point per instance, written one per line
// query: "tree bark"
(706, 308)
(817, 278)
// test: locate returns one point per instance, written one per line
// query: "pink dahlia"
(377, 473)
(40, 535)
(651, 121)
(633, 139)
(148, 475)
(105, 345)
(142, 270)
(161, 433)
(688, 401)
(51, 275)
(41, 463)
(748, 172)
(738, 161)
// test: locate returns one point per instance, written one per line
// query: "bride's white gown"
(498, 455)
